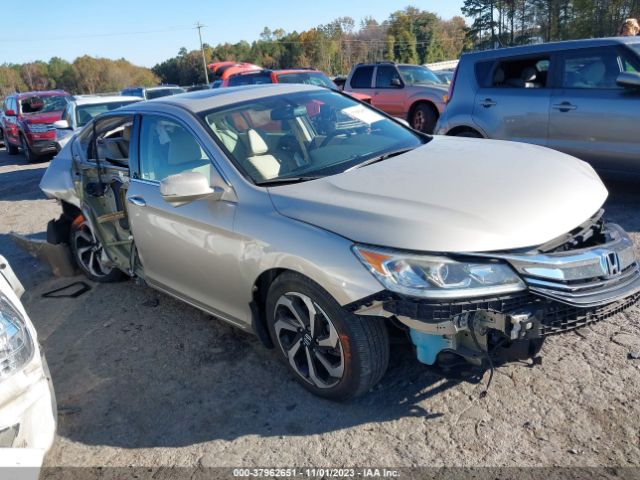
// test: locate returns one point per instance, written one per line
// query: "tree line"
(84, 75)
(410, 35)
(516, 22)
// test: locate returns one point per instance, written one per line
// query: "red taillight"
(452, 85)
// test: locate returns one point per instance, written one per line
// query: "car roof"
(97, 99)
(551, 47)
(296, 70)
(203, 100)
(43, 93)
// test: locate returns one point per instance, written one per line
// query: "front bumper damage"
(567, 288)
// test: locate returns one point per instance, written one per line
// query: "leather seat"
(184, 155)
(259, 160)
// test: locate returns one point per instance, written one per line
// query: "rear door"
(389, 93)
(512, 102)
(101, 155)
(592, 117)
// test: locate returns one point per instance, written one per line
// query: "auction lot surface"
(144, 380)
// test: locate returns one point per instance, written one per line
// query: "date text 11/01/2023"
(315, 473)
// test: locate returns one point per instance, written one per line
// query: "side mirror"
(629, 80)
(10, 113)
(62, 124)
(396, 82)
(183, 188)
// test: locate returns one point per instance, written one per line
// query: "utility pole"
(204, 60)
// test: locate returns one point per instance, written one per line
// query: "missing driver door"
(104, 177)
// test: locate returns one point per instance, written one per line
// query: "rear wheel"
(332, 353)
(468, 134)
(90, 256)
(424, 118)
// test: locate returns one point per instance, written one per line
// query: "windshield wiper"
(286, 180)
(380, 158)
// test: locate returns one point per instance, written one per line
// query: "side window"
(362, 77)
(594, 68)
(167, 148)
(387, 76)
(532, 72)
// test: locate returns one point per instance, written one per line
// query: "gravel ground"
(144, 380)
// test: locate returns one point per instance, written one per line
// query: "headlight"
(438, 277)
(16, 346)
(38, 127)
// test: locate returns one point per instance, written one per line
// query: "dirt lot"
(144, 380)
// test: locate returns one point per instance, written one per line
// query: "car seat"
(184, 155)
(259, 159)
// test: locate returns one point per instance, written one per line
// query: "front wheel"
(90, 256)
(11, 148)
(332, 353)
(28, 154)
(424, 118)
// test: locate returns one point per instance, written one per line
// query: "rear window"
(309, 78)
(163, 92)
(250, 79)
(529, 72)
(362, 77)
(84, 113)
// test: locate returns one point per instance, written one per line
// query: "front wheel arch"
(465, 131)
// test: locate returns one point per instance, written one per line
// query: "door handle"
(138, 201)
(565, 106)
(488, 103)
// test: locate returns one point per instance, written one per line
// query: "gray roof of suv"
(550, 47)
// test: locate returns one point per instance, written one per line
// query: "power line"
(94, 35)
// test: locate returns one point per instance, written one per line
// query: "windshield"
(44, 104)
(84, 113)
(250, 79)
(417, 75)
(163, 92)
(310, 78)
(305, 135)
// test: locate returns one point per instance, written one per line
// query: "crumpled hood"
(46, 117)
(452, 195)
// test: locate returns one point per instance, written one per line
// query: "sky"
(146, 32)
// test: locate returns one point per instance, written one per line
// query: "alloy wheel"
(418, 120)
(89, 251)
(309, 340)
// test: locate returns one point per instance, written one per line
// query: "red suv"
(298, 75)
(27, 122)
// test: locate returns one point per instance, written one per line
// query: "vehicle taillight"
(452, 85)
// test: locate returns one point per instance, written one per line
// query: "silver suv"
(322, 225)
(411, 92)
(578, 97)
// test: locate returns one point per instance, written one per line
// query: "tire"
(28, 154)
(468, 134)
(343, 356)
(11, 148)
(87, 253)
(424, 118)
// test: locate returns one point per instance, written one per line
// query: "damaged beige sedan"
(323, 226)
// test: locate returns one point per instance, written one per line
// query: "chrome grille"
(586, 277)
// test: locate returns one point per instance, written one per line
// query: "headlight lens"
(16, 345)
(438, 277)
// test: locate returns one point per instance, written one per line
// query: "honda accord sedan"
(324, 226)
